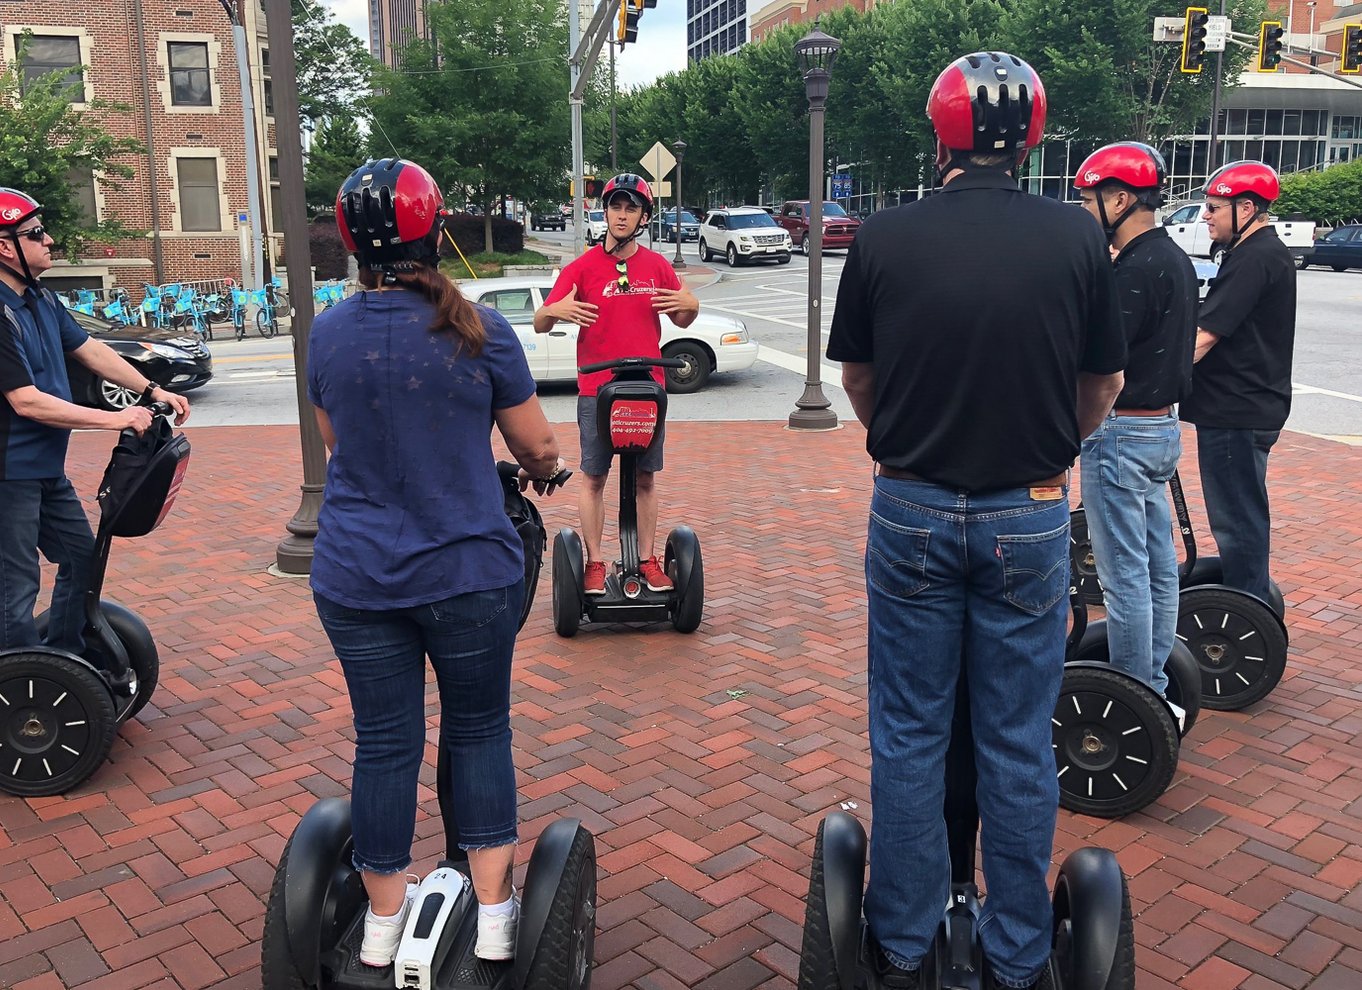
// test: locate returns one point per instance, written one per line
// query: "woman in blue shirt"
(414, 554)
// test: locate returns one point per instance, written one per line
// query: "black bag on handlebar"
(142, 479)
(529, 526)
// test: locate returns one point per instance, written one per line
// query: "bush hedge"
(1329, 197)
(508, 237)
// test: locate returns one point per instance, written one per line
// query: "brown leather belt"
(899, 474)
(1142, 412)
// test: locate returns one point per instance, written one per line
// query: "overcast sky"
(661, 46)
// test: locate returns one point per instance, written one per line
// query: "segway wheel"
(141, 648)
(828, 954)
(1115, 742)
(1094, 935)
(1207, 570)
(567, 588)
(277, 971)
(56, 723)
(684, 565)
(1082, 560)
(561, 958)
(1238, 644)
(1184, 679)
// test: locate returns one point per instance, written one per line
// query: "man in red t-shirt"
(617, 293)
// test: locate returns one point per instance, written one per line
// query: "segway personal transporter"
(1093, 938)
(59, 711)
(630, 409)
(314, 922)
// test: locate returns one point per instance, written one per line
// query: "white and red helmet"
(1244, 178)
(16, 207)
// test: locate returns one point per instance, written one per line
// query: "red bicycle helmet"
(388, 212)
(1246, 178)
(631, 185)
(1129, 162)
(988, 102)
(16, 207)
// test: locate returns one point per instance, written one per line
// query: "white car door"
(560, 346)
(518, 306)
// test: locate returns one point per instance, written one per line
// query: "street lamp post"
(680, 146)
(816, 52)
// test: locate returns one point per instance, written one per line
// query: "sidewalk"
(702, 763)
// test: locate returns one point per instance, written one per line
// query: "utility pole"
(1212, 149)
(583, 52)
(614, 142)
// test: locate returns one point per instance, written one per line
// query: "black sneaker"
(887, 976)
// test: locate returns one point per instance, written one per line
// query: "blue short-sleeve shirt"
(413, 508)
(36, 333)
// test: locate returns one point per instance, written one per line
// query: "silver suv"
(744, 233)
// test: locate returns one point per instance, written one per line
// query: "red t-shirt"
(626, 323)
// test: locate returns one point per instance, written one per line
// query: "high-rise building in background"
(393, 24)
(714, 27)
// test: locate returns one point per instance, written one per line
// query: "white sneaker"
(1180, 714)
(496, 933)
(382, 936)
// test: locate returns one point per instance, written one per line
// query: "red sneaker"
(594, 579)
(654, 575)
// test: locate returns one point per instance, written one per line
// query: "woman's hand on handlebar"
(545, 486)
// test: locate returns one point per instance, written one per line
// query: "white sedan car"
(710, 344)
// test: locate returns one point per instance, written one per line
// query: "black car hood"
(110, 332)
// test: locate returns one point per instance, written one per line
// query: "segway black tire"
(685, 566)
(57, 723)
(567, 589)
(1082, 561)
(562, 955)
(828, 955)
(1184, 677)
(1208, 570)
(1094, 933)
(1115, 742)
(1237, 642)
(817, 966)
(277, 971)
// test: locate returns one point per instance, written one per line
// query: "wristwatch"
(145, 400)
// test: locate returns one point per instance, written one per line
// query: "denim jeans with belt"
(43, 515)
(975, 582)
(470, 639)
(1233, 467)
(1126, 465)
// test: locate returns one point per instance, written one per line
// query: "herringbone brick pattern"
(703, 763)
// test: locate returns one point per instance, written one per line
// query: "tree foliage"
(338, 150)
(1328, 197)
(333, 66)
(45, 141)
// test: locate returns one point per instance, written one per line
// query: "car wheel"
(112, 397)
(732, 256)
(691, 378)
(804, 246)
(704, 251)
(1339, 268)
(784, 259)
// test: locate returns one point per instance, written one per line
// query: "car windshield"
(833, 210)
(597, 215)
(745, 221)
(686, 216)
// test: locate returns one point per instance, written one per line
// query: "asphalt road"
(254, 381)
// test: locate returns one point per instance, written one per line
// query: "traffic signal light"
(630, 11)
(1270, 45)
(1194, 39)
(594, 186)
(1352, 48)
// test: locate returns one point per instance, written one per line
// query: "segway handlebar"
(510, 471)
(631, 362)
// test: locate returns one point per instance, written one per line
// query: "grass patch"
(491, 265)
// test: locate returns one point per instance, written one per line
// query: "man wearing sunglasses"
(617, 293)
(41, 511)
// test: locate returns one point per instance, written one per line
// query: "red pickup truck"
(839, 229)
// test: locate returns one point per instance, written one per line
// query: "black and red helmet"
(1130, 163)
(988, 102)
(631, 185)
(1245, 178)
(388, 212)
(16, 207)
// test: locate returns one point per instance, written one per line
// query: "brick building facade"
(174, 62)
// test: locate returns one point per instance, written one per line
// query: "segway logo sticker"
(632, 425)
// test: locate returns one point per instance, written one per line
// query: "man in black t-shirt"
(980, 341)
(1128, 460)
(1241, 383)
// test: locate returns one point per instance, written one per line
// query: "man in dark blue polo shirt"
(980, 341)
(1128, 460)
(39, 508)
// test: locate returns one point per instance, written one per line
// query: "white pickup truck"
(1188, 230)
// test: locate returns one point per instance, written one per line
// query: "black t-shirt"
(1244, 381)
(978, 307)
(1157, 287)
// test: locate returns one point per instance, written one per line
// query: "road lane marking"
(1299, 389)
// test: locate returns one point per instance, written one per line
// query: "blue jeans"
(44, 515)
(469, 639)
(1233, 466)
(974, 582)
(1126, 466)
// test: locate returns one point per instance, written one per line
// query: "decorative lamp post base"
(293, 554)
(813, 411)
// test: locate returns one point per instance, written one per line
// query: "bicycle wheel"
(266, 323)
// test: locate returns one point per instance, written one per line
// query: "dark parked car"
(175, 360)
(1340, 249)
(664, 226)
(547, 216)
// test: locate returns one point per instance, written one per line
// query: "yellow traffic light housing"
(1270, 45)
(1350, 59)
(1194, 39)
(628, 25)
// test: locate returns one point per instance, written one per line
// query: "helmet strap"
(26, 275)
(1236, 232)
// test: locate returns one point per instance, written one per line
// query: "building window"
(82, 180)
(199, 206)
(189, 83)
(52, 53)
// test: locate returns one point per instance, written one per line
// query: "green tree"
(45, 140)
(338, 150)
(1330, 196)
(483, 105)
(332, 65)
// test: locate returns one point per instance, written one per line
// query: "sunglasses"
(623, 281)
(34, 234)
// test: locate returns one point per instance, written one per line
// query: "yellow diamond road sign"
(657, 161)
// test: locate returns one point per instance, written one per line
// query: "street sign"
(1217, 33)
(657, 161)
(661, 190)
